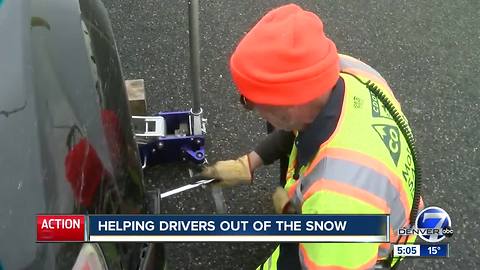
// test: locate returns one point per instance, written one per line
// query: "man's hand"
(230, 172)
(281, 202)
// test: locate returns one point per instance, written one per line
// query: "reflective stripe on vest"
(359, 176)
(271, 262)
(307, 264)
(348, 63)
(354, 66)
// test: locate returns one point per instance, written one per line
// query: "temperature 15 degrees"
(438, 250)
(433, 250)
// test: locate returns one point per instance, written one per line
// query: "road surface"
(427, 50)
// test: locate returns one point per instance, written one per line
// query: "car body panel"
(66, 139)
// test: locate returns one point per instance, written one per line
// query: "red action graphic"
(60, 228)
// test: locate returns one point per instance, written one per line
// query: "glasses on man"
(247, 104)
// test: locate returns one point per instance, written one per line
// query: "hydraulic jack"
(175, 136)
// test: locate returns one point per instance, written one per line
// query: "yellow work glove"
(230, 172)
(281, 202)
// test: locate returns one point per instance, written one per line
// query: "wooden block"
(136, 96)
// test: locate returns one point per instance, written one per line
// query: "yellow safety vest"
(365, 167)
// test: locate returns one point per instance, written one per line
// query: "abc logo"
(448, 232)
(434, 224)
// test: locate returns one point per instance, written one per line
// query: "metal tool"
(176, 136)
(219, 199)
(217, 192)
(186, 187)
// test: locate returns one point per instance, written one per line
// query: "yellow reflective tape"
(271, 262)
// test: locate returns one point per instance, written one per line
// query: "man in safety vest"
(351, 149)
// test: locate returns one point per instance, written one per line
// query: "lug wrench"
(186, 187)
(217, 191)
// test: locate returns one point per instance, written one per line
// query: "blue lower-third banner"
(238, 228)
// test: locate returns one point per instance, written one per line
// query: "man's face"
(280, 117)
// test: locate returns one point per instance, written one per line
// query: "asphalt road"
(427, 50)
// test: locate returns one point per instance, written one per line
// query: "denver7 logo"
(434, 224)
